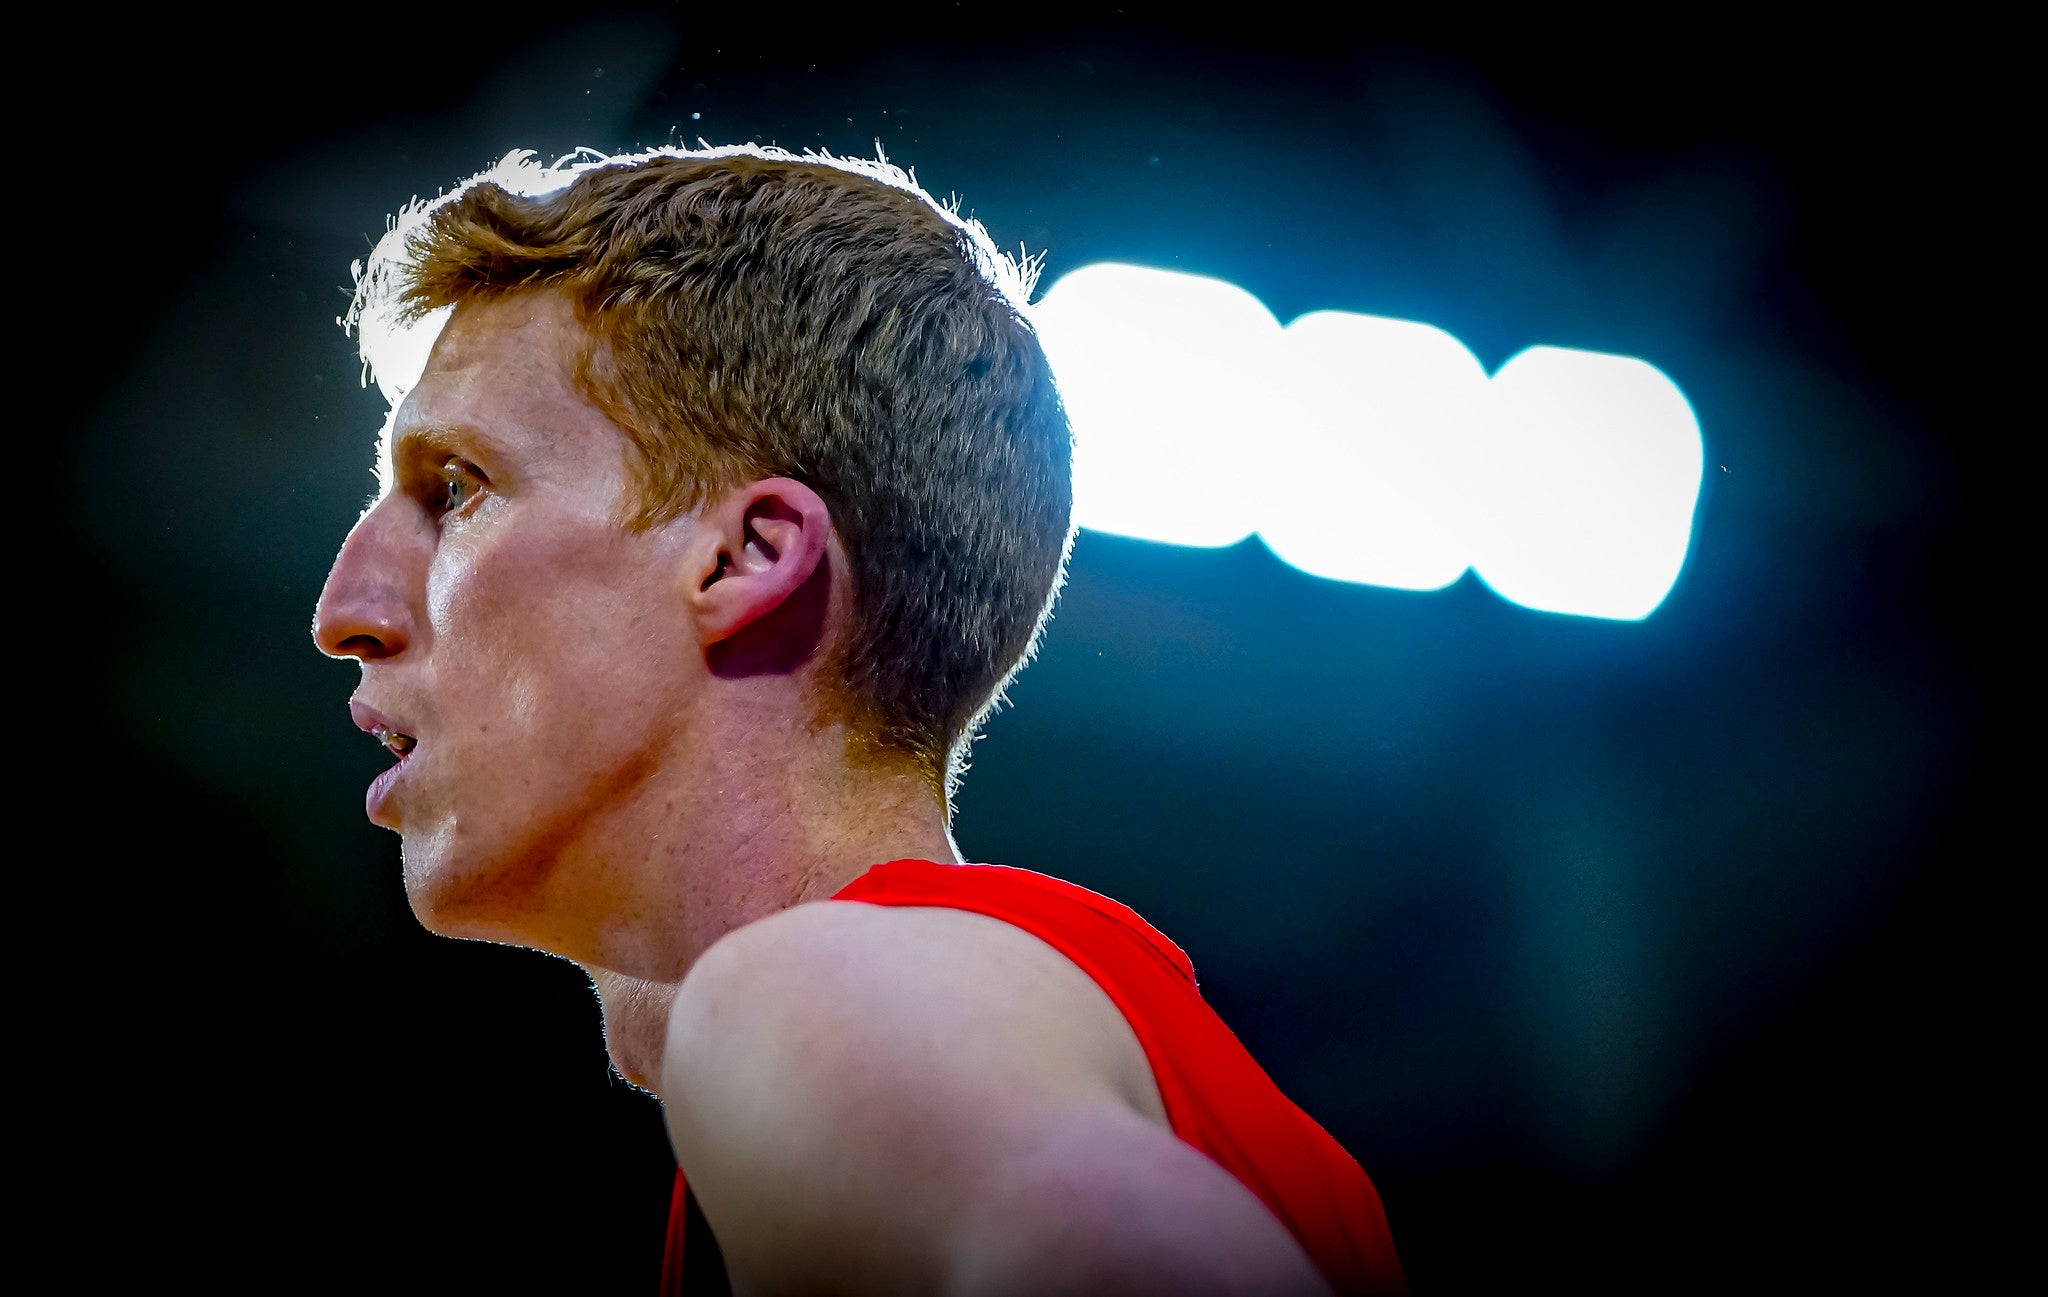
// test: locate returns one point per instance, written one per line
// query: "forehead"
(505, 371)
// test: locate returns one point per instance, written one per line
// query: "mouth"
(381, 728)
(378, 802)
(399, 745)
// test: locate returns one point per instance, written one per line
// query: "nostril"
(365, 647)
(365, 630)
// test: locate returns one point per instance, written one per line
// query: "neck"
(759, 836)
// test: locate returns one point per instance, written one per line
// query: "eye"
(456, 483)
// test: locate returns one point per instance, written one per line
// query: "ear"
(765, 542)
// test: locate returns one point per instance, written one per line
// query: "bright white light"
(1169, 381)
(1371, 450)
(1370, 447)
(395, 353)
(1593, 468)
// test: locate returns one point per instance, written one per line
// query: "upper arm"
(901, 1100)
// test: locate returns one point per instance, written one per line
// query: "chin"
(439, 915)
(429, 887)
(466, 895)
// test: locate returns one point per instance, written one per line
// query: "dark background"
(1625, 956)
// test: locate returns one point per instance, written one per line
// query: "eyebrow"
(452, 438)
(405, 448)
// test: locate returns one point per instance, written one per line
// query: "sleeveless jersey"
(1217, 1099)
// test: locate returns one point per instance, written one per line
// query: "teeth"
(399, 743)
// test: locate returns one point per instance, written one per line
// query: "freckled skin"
(528, 637)
(587, 781)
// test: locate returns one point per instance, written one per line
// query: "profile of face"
(525, 656)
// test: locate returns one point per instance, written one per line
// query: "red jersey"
(1216, 1098)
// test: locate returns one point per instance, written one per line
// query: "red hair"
(756, 314)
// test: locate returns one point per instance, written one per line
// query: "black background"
(1628, 957)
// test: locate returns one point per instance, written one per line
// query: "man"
(733, 489)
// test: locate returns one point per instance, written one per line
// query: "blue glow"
(1371, 450)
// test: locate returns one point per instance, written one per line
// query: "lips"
(383, 728)
(398, 741)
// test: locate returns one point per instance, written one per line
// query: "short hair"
(754, 313)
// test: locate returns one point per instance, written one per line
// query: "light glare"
(1370, 455)
(1371, 450)
(1593, 470)
(1167, 378)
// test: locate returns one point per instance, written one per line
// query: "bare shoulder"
(886, 1100)
(909, 986)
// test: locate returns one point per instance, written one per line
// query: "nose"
(364, 612)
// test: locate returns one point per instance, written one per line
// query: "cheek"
(484, 613)
(555, 631)
(450, 581)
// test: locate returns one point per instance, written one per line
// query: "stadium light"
(1371, 450)
(1173, 376)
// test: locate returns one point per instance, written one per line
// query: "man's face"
(528, 655)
